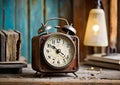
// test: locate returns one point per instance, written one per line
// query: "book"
(109, 58)
(2, 47)
(102, 64)
(12, 45)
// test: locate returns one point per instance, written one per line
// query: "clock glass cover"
(59, 50)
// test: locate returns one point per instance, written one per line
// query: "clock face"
(59, 51)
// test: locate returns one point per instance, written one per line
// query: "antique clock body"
(55, 53)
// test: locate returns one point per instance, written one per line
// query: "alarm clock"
(56, 52)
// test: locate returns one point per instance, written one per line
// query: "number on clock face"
(59, 51)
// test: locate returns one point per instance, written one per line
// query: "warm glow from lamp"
(96, 32)
(95, 29)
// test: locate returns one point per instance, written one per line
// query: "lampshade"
(96, 32)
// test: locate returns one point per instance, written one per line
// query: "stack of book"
(108, 61)
(10, 51)
(10, 45)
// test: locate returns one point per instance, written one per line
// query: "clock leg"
(42, 74)
(39, 73)
(36, 73)
(75, 74)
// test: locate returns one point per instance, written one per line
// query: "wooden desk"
(86, 76)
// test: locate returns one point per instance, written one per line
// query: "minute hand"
(57, 50)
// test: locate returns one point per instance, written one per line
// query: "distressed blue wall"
(26, 16)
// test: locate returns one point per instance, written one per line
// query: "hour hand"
(52, 46)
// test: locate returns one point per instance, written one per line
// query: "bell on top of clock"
(68, 29)
(44, 28)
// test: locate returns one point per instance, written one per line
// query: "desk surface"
(86, 75)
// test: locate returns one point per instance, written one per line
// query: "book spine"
(103, 59)
(18, 44)
(103, 64)
(2, 47)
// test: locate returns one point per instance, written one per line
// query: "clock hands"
(57, 50)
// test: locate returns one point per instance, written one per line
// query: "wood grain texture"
(36, 18)
(28, 77)
(79, 19)
(14, 47)
(1, 15)
(11, 45)
(118, 30)
(8, 50)
(51, 8)
(113, 23)
(65, 10)
(70, 82)
(9, 9)
(21, 24)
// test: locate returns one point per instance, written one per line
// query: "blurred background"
(26, 16)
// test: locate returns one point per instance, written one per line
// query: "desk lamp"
(96, 32)
(96, 36)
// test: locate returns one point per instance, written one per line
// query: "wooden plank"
(118, 30)
(9, 13)
(1, 14)
(79, 19)
(85, 77)
(36, 18)
(51, 10)
(113, 24)
(21, 24)
(22, 81)
(65, 11)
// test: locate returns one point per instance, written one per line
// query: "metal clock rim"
(68, 36)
